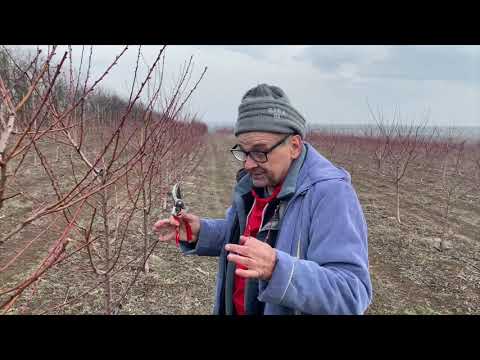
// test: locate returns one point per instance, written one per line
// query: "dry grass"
(410, 276)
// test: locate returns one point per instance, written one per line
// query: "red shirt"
(254, 221)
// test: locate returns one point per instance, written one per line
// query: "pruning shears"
(178, 206)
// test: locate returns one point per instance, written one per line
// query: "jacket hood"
(310, 168)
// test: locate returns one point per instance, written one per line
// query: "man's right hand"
(166, 228)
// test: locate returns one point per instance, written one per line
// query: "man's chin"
(259, 182)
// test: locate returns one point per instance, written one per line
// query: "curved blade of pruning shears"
(178, 206)
(178, 203)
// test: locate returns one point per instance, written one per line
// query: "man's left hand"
(258, 257)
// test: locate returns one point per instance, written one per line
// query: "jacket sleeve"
(211, 238)
(332, 277)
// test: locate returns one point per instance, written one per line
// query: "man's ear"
(296, 147)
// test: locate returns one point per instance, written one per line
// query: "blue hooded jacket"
(322, 248)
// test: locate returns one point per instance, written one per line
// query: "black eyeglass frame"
(261, 153)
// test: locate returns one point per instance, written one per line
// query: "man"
(294, 240)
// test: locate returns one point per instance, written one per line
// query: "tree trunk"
(397, 186)
(444, 174)
(57, 156)
(3, 179)
(107, 284)
(145, 234)
(145, 212)
(447, 211)
(398, 201)
(35, 162)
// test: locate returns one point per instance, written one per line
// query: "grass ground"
(410, 275)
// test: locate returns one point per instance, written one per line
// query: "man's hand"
(166, 227)
(258, 257)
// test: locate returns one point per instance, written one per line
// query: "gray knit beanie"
(267, 108)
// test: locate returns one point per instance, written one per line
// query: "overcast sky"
(327, 84)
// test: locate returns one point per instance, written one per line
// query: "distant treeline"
(461, 132)
(103, 104)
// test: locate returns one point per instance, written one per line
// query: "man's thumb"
(186, 216)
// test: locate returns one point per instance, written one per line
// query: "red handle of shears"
(188, 228)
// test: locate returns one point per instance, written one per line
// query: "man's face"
(276, 168)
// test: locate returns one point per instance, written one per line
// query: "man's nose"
(249, 163)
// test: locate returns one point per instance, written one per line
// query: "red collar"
(276, 191)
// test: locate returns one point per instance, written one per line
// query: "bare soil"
(410, 274)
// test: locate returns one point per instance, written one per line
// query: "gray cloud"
(258, 52)
(328, 84)
(455, 63)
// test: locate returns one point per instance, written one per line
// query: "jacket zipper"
(288, 206)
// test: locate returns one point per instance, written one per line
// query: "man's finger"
(174, 221)
(184, 215)
(239, 249)
(242, 260)
(159, 224)
(247, 239)
(166, 237)
(247, 273)
(165, 223)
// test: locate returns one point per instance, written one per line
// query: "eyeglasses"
(257, 156)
